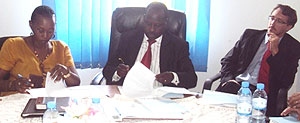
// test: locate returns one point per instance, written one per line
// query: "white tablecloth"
(12, 106)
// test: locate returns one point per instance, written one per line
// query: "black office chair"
(128, 18)
(98, 79)
(281, 98)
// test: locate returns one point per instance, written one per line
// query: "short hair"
(43, 10)
(158, 5)
(288, 11)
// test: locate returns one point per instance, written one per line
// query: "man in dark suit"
(246, 59)
(169, 55)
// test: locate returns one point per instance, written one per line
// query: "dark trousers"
(232, 87)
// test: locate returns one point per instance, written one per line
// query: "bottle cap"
(245, 91)
(95, 100)
(51, 104)
(260, 86)
(245, 84)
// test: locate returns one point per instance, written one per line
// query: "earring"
(53, 37)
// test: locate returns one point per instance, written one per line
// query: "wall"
(229, 18)
(15, 17)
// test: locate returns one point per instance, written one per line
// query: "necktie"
(147, 57)
(263, 76)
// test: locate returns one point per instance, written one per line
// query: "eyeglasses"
(278, 20)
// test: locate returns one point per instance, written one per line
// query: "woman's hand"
(22, 84)
(59, 71)
(69, 74)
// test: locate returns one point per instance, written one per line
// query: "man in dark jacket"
(264, 56)
(169, 55)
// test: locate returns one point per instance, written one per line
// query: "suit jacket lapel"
(164, 52)
(135, 45)
(254, 45)
(283, 44)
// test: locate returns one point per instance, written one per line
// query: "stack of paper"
(139, 83)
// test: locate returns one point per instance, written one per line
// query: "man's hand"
(165, 77)
(122, 70)
(294, 105)
(290, 110)
(273, 42)
(294, 100)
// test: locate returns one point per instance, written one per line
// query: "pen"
(118, 111)
(20, 76)
(117, 117)
(120, 59)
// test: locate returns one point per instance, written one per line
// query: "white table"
(12, 106)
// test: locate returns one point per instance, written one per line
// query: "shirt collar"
(267, 39)
(158, 40)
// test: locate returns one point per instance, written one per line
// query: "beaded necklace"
(41, 60)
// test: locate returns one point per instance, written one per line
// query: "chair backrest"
(128, 18)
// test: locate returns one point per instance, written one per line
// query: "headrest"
(129, 18)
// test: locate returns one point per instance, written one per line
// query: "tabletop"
(12, 106)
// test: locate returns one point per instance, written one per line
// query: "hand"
(274, 42)
(165, 77)
(294, 100)
(122, 70)
(290, 110)
(22, 84)
(59, 71)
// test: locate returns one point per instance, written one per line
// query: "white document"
(38, 92)
(82, 91)
(172, 92)
(52, 86)
(138, 81)
(150, 109)
(76, 91)
(287, 119)
(214, 97)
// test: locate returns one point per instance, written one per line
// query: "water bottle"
(51, 115)
(259, 103)
(96, 106)
(244, 107)
(244, 85)
(98, 111)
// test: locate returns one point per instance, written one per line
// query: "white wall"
(15, 16)
(229, 18)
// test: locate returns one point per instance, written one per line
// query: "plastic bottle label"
(259, 103)
(244, 108)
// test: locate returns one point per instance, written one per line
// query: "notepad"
(31, 111)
